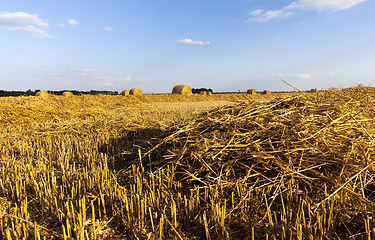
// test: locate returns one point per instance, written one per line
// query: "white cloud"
(191, 42)
(329, 6)
(21, 18)
(71, 23)
(24, 22)
(256, 12)
(108, 29)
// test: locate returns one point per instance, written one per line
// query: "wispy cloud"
(108, 29)
(37, 32)
(191, 42)
(277, 14)
(73, 77)
(24, 22)
(71, 23)
(329, 6)
(295, 75)
(325, 5)
(256, 12)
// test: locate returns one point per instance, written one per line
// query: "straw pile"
(266, 92)
(135, 91)
(67, 94)
(251, 91)
(300, 167)
(42, 94)
(182, 89)
(125, 92)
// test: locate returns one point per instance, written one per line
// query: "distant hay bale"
(67, 94)
(251, 91)
(203, 93)
(267, 92)
(209, 93)
(314, 90)
(125, 92)
(42, 94)
(135, 92)
(182, 89)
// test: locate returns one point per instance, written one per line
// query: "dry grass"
(101, 167)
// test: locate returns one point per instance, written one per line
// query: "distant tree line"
(4, 93)
(199, 90)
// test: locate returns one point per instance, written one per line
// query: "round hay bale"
(42, 94)
(67, 94)
(267, 92)
(251, 91)
(314, 90)
(135, 91)
(125, 92)
(182, 89)
(209, 93)
(203, 93)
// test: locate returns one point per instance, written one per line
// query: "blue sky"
(226, 45)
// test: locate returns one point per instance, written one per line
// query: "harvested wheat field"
(230, 166)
